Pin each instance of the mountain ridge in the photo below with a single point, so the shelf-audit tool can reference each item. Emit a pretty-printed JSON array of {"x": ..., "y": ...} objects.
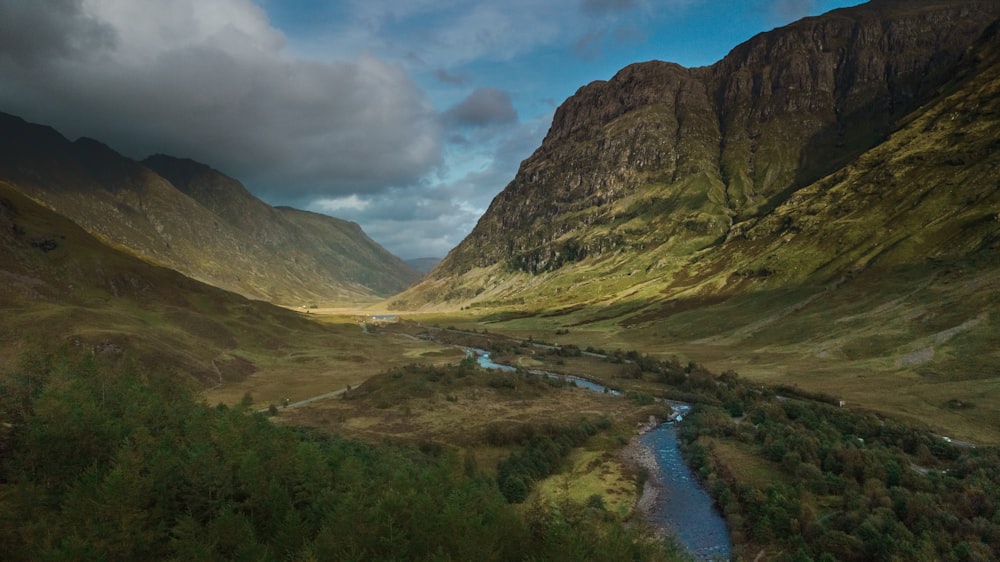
[
  {"x": 208, "y": 227},
  {"x": 641, "y": 160},
  {"x": 338, "y": 249},
  {"x": 68, "y": 295}
]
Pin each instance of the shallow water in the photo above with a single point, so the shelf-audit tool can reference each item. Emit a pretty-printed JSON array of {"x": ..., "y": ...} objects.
[
  {"x": 684, "y": 507},
  {"x": 483, "y": 358},
  {"x": 589, "y": 385}
]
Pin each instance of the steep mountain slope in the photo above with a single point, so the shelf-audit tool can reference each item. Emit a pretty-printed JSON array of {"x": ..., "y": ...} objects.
[
  {"x": 66, "y": 295},
  {"x": 820, "y": 208},
  {"x": 207, "y": 227},
  {"x": 320, "y": 250},
  {"x": 663, "y": 162},
  {"x": 666, "y": 157},
  {"x": 62, "y": 287}
]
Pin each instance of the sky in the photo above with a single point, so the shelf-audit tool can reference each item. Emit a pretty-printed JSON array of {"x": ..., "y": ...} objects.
[{"x": 406, "y": 116}]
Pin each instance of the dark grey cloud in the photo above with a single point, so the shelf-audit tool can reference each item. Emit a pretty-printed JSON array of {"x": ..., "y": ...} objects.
[
  {"x": 225, "y": 93},
  {"x": 484, "y": 106},
  {"x": 33, "y": 32}
]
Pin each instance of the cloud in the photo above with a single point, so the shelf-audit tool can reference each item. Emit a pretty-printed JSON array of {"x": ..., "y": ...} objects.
[
  {"x": 790, "y": 10},
  {"x": 448, "y": 78},
  {"x": 213, "y": 80},
  {"x": 337, "y": 205},
  {"x": 484, "y": 106},
  {"x": 602, "y": 7},
  {"x": 29, "y": 35},
  {"x": 430, "y": 219},
  {"x": 447, "y": 33},
  {"x": 410, "y": 223}
]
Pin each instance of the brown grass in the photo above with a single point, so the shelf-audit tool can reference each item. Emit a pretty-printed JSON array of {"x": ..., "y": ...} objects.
[
  {"x": 349, "y": 358},
  {"x": 462, "y": 417}
]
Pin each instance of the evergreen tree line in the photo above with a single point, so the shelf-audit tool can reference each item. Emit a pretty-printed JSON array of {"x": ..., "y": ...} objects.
[{"x": 98, "y": 465}]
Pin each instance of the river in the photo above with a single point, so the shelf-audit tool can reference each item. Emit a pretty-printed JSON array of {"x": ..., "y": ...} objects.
[
  {"x": 483, "y": 358},
  {"x": 682, "y": 507}
]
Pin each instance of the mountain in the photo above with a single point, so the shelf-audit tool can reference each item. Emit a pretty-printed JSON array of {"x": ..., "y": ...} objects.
[
  {"x": 662, "y": 163},
  {"x": 824, "y": 199},
  {"x": 64, "y": 288},
  {"x": 191, "y": 218},
  {"x": 323, "y": 251},
  {"x": 672, "y": 160},
  {"x": 423, "y": 265}
]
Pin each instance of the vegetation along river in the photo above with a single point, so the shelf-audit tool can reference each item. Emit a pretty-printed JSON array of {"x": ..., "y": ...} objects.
[{"x": 681, "y": 506}]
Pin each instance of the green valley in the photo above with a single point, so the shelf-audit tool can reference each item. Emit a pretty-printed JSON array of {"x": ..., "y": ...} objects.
[{"x": 788, "y": 261}]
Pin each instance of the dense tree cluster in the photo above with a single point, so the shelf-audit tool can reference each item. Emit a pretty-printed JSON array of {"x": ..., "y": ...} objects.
[
  {"x": 849, "y": 486},
  {"x": 843, "y": 485},
  {"x": 540, "y": 456},
  {"x": 122, "y": 467}
]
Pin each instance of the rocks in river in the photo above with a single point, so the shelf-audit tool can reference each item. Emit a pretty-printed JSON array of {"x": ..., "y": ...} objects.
[{"x": 643, "y": 427}]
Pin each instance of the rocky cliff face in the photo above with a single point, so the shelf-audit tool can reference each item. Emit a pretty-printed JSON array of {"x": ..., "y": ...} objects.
[
  {"x": 193, "y": 219},
  {"x": 665, "y": 157}
]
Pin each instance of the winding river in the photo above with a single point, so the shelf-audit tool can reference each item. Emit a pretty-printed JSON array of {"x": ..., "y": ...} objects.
[
  {"x": 683, "y": 508},
  {"x": 483, "y": 358}
]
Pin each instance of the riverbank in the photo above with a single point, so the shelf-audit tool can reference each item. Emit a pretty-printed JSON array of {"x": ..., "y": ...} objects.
[
  {"x": 640, "y": 459},
  {"x": 673, "y": 501}
]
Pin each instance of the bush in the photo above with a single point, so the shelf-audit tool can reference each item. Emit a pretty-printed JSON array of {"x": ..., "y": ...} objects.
[{"x": 596, "y": 501}]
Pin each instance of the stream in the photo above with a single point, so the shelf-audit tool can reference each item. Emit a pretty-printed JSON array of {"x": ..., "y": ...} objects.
[
  {"x": 683, "y": 508},
  {"x": 483, "y": 358}
]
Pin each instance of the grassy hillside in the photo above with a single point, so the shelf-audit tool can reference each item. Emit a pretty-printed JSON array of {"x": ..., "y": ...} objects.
[
  {"x": 65, "y": 289},
  {"x": 300, "y": 256}
]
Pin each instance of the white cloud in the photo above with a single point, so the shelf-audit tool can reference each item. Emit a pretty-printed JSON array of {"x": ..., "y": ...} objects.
[
  {"x": 147, "y": 29},
  {"x": 336, "y": 206}
]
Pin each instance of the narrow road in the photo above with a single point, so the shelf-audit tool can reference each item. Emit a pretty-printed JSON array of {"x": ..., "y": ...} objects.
[{"x": 310, "y": 400}]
